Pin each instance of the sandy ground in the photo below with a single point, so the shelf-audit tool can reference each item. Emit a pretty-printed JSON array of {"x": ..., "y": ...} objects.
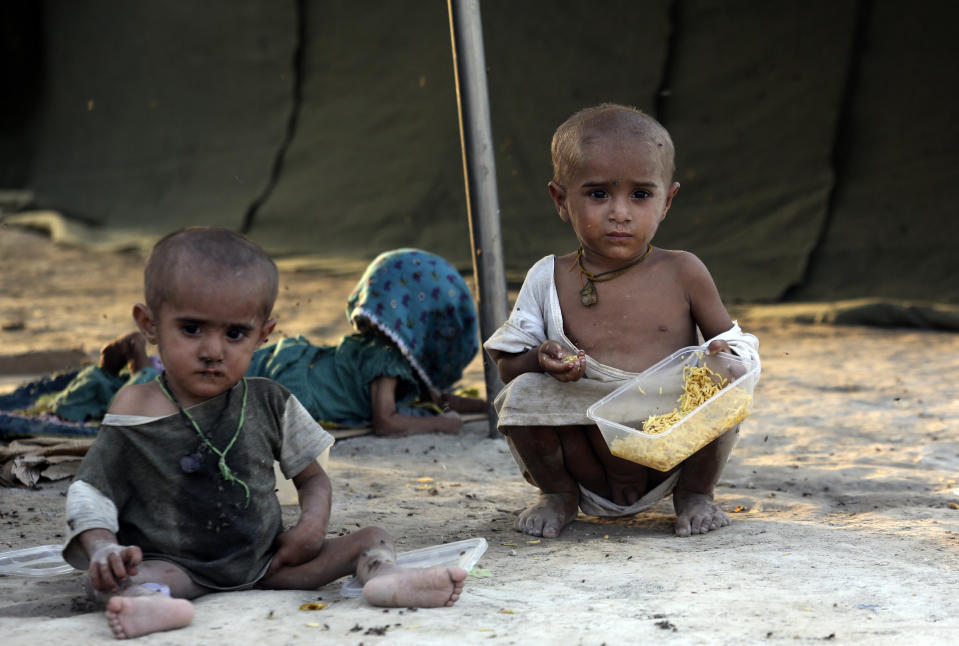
[{"x": 842, "y": 492}]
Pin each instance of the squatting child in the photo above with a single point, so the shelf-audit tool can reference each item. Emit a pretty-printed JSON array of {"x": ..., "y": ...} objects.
[
  {"x": 587, "y": 320},
  {"x": 175, "y": 498}
]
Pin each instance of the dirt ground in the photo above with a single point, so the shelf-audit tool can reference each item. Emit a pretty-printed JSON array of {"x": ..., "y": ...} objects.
[{"x": 842, "y": 492}]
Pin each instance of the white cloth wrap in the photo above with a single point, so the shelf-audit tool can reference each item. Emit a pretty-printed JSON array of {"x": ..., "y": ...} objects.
[
  {"x": 595, "y": 505},
  {"x": 743, "y": 344}
]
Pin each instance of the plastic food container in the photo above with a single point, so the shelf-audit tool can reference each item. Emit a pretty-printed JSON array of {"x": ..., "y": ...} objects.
[
  {"x": 42, "y": 560},
  {"x": 464, "y": 554},
  {"x": 656, "y": 391}
]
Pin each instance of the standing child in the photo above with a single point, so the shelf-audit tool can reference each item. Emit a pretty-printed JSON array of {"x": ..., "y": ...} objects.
[
  {"x": 585, "y": 321},
  {"x": 175, "y": 498}
]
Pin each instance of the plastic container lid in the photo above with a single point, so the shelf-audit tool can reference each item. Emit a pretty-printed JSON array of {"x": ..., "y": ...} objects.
[
  {"x": 42, "y": 560},
  {"x": 464, "y": 554},
  {"x": 621, "y": 414}
]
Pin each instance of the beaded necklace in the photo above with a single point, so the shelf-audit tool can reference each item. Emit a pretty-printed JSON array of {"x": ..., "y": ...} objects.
[
  {"x": 225, "y": 470},
  {"x": 587, "y": 295}
]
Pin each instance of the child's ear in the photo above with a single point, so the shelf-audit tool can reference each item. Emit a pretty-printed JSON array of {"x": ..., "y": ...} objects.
[
  {"x": 146, "y": 322},
  {"x": 558, "y": 193},
  {"x": 670, "y": 194},
  {"x": 266, "y": 330}
]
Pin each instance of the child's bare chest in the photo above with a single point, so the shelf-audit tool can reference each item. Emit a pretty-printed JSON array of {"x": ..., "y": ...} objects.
[{"x": 634, "y": 322}]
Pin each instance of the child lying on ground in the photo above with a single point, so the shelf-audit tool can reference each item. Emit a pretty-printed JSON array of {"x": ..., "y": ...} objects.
[
  {"x": 175, "y": 498},
  {"x": 416, "y": 332},
  {"x": 585, "y": 321}
]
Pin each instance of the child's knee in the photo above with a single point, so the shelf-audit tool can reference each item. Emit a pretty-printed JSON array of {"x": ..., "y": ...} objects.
[{"x": 535, "y": 442}]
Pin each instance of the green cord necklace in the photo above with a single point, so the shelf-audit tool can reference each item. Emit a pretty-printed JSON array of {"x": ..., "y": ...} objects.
[{"x": 225, "y": 470}]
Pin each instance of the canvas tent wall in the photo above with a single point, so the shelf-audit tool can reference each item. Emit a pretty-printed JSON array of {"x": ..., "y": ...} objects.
[{"x": 816, "y": 140}]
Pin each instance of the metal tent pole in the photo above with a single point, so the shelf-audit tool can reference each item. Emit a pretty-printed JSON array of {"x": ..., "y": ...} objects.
[{"x": 479, "y": 170}]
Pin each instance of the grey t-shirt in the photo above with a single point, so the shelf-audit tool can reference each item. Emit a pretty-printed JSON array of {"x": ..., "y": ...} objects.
[{"x": 170, "y": 496}]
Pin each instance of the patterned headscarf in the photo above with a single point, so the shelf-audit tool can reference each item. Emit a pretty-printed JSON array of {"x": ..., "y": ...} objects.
[{"x": 423, "y": 305}]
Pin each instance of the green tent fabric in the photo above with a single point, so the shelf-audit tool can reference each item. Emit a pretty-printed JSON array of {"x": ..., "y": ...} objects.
[
  {"x": 753, "y": 127},
  {"x": 377, "y": 154},
  {"x": 154, "y": 116},
  {"x": 375, "y": 163},
  {"x": 815, "y": 140},
  {"x": 892, "y": 229}
]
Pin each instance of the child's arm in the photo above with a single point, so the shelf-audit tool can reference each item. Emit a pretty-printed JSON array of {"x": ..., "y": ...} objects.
[
  {"x": 550, "y": 357},
  {"x": 710, "y": 314},
  {"x": 303, "y": 541},
  {"x": 449, "y": 401},
  {"x": 705, "y": 303},
  {"x": 110, "y": 562},
  {"x": 389, "y": 421}
]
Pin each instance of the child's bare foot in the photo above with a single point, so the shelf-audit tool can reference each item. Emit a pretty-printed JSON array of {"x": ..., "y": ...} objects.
[
  {"x": 549, "y": 514},
  {"x": 135, "y": 616},
  {"x": 398, "y": 587},
  {"x": 127, "y": 350},
  {"x": 696, "y": 513}
]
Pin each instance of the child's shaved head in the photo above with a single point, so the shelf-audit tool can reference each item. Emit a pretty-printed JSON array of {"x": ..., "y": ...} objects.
[
  {"x": 590, "y": 124},
  {"x": 183, "y": 257}
]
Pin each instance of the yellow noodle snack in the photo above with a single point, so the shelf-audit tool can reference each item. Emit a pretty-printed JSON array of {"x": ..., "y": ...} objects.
[
  {"x": 698, "y": 386},
  {"x": 666, "y": 450}
]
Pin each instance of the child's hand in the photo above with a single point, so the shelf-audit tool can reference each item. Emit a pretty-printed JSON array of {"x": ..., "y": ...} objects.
[
  {"x": 297, "y": 545},
  {"x": 112, "y": 564},
  {"x": 449, "y": 423},
  {"x": 718, "y": 345},
  {"x": 556, "y": 361},
  {"x": 736, "y": 370}
]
